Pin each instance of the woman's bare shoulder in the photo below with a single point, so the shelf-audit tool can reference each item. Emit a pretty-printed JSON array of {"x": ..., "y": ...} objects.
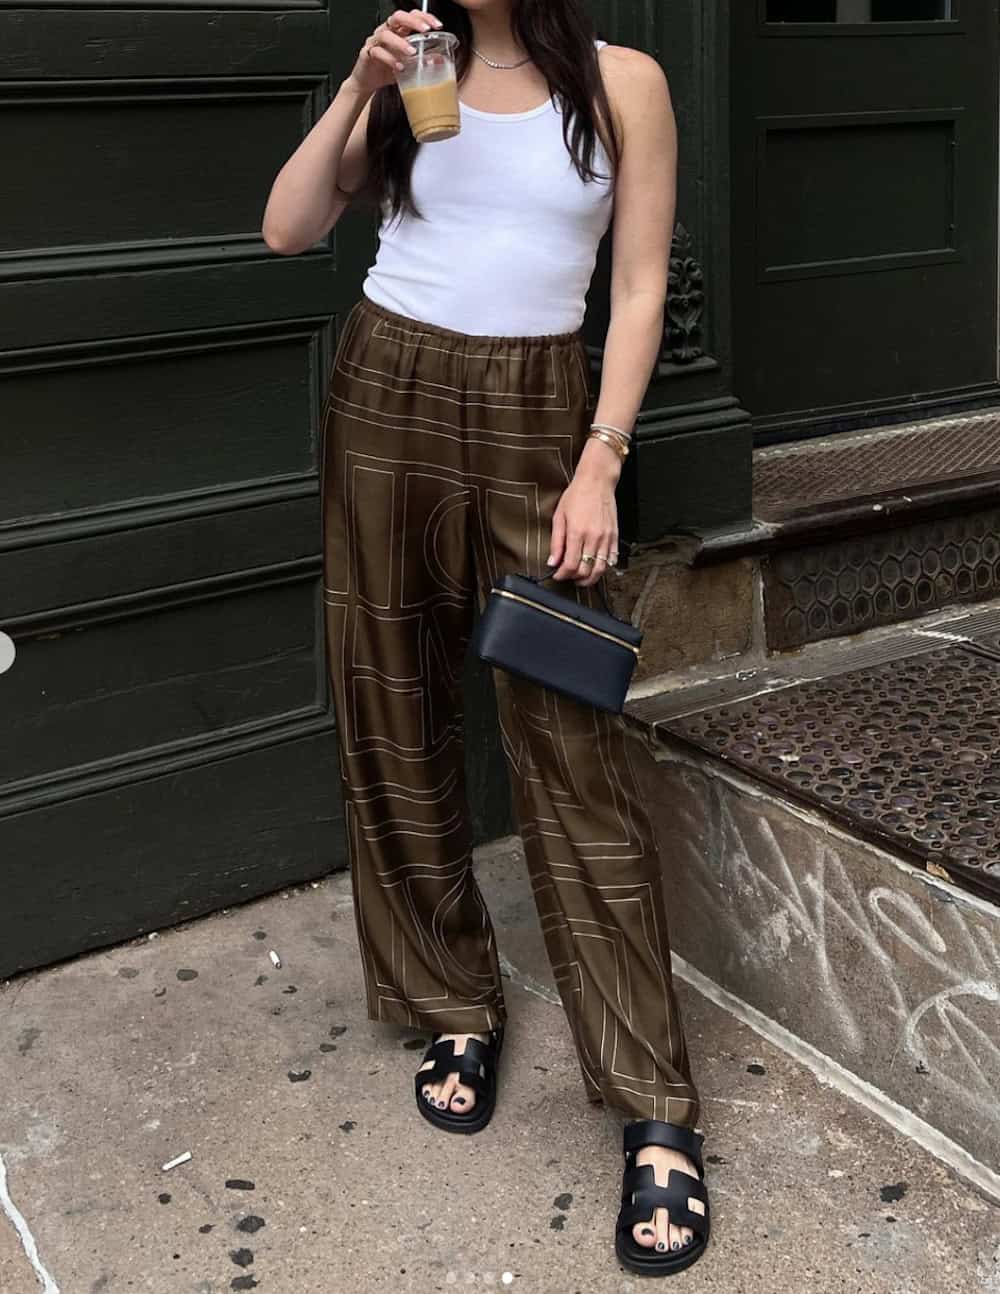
[
  {"x": 629, "y": 72},
  {"x": 636, "y": 86}
]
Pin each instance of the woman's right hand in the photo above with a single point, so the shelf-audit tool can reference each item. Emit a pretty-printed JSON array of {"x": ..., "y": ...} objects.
[{"x": 386, "y": 49}]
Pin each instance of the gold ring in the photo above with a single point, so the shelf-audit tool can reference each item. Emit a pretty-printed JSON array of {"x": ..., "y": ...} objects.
[{"x": 586, "y": 557}]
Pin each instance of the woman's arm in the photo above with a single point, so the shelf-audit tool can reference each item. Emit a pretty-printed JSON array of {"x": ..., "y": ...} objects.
[
  {"x": 645, "y": 200},
  {"x": 305, "y": 202},
  {"x": 308, "y": 195}
]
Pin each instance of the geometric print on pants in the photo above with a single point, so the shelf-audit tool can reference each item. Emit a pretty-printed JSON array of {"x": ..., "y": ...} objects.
[{"x": 443, "y": 458}]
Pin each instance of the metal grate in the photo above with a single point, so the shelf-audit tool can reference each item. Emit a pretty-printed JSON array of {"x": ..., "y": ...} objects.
[
  {"x": 842, "y": 587},
  {"x": 787, "y": 480},
  {"x": 907, "y": 753}
]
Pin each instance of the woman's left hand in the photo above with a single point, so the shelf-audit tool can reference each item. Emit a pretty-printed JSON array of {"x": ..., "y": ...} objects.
[{"x": 585, "y": 521}]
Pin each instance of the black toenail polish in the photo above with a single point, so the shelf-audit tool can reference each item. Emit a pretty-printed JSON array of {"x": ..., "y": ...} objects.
[
  {"x": 647, "y": 1231},
  {"x": 675, "y": 1245},
  {"x": 688, "y": 1240},
  {"x": 660, "y": 1244}
]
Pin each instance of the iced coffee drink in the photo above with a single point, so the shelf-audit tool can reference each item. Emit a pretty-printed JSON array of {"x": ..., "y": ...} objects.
[{"x": 429, "y": 88}]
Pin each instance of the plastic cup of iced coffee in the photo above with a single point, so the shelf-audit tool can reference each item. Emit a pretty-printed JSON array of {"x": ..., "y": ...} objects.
[{"x": 429, "y": 88}]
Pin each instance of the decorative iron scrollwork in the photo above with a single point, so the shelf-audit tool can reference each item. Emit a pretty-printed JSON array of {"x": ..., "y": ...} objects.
[{"x": 685, "y": 301}]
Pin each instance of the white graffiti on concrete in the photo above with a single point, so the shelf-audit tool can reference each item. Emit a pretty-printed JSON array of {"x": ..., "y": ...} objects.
[{"x": 914, "y": 962}]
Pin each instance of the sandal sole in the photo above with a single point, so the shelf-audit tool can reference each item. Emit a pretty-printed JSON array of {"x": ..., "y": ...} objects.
[
  {"x": 460, "y": 1123},
  {"x": 656, "y": 1264}
]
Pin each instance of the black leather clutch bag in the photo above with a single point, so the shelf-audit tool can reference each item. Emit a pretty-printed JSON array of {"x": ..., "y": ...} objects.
[{"x": 582, "y": 652}]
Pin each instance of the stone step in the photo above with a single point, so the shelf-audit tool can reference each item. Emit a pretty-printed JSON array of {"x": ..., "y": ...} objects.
[
  {"x": 831, "y": 839},
  {"x": 850, "y": 533}
]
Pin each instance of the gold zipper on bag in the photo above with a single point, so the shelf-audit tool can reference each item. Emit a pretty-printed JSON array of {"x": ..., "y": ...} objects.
[{"x": 505, "y": 593}]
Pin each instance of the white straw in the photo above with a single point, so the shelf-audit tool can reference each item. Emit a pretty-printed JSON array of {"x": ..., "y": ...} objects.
[{"x": 420, "y": 50}]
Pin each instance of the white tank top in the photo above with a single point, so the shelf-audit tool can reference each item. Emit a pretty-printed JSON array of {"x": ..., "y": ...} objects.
[{"x": 510, "y": 232}]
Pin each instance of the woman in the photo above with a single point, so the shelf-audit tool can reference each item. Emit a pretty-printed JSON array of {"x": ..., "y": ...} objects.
[{"x": 460, "y": 441}]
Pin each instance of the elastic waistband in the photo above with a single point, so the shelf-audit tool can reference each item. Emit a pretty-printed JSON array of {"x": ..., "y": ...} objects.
[{"x": 457, "y": 339}]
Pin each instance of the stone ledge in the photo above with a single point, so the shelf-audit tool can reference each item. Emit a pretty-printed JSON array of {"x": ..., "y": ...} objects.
[{"x": 688, "y": 616}]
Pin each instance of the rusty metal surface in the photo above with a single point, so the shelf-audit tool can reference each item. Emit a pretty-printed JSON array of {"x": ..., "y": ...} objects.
[
  {"x": 825, "y": 661},
  {"x": 846, "y": 586},
  {"x": 906, "y": 753},
  {"x": 788, "y": 479}
]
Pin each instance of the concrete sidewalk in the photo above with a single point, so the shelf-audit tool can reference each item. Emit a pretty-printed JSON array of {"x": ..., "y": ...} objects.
[{"x": 312, "y": 1172}]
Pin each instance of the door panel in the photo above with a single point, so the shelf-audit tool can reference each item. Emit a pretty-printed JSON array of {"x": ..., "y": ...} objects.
[
  {"x": 866, "y": 203},
  {"x": 168, "y": 742}
]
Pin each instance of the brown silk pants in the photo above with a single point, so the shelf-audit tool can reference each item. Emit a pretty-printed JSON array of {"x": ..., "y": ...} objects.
[{"x": 444, "y": 456}]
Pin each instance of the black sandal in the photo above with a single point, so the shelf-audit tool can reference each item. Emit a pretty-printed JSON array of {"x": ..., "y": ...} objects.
[
  {"x": 641, "y": 1196},
  {"x": 476, "y": 1067}
]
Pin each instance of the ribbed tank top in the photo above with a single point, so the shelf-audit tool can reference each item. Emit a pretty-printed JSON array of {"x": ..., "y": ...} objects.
[{"x": 509, "y": 237}]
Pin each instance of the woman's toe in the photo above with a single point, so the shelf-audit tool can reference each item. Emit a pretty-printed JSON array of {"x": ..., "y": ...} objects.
[
  {"x": 428, "y": 1088},
  {"x": 462, "y": 1099},
  {"x": 644, "y": 1235},
  {"x": 663, "y": 1230},
  {"x": 447, "y": 1090}
]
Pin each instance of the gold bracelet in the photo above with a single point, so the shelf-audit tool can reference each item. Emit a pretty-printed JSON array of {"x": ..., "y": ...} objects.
[
  {"x": 609, "y": 438},
  {"x": 619, "y": 436},
  {"x": 617, "y": 431},
  {"x": 620, "y": 449}
]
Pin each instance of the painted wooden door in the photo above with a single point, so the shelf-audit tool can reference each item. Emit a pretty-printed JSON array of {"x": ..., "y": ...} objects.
[
  {"x": 865, "y": 218},
  {"x": 167, "y": 744}
]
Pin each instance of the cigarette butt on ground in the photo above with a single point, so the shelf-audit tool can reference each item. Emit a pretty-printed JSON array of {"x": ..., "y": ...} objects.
[
  {"x": 275, "y": 959},
  {"x": 173, "y": 1163}
]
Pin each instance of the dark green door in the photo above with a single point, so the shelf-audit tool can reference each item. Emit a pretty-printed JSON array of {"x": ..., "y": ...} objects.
[
  {"x": 865, "y": 235},
  {"x": 167, "y": 742}
]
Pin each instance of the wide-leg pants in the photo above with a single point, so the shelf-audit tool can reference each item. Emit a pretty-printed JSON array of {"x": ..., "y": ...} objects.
[{"x": 443, "y": 458}]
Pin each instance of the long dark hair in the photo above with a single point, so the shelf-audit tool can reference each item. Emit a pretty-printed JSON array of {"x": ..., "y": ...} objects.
[{"x": 559, "y": 37}]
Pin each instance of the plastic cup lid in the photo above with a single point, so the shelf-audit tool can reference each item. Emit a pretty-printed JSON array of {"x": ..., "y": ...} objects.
[{"x": 448, "y": 37}]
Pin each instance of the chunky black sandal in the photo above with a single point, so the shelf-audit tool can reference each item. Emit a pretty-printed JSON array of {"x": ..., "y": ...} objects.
[
  {"x": 641, "y": 1196},
  {"x": 476, "y": 1067}
]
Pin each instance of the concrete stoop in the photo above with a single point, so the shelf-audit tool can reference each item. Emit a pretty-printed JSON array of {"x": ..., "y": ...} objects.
[{"x": 863, "y": 940}]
